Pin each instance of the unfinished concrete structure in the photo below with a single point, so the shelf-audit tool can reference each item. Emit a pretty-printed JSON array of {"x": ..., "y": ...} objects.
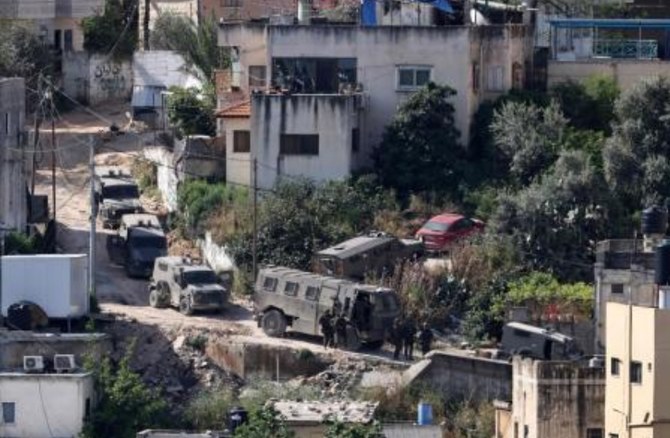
[
  {"x": 13, "y": 175},
  {"x": 553, "y": 399},
  {"x": 342, "y": 85}
]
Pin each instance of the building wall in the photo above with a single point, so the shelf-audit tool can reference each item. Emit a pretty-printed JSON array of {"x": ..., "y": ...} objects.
[
  {"x": 250, "y": 9},
  {"x": 13, "y": 205},
  {"x": 450, "y": 50},
  {"x": 96, "y": 79},
  {"x": 626, "y": 72},
  {"x": 638, "y": 286},
  {"x": 332, "y": 117},
  {"x": 636, "y": 333},
  {"x": 163, "y": 68},
  {"x": 557, "y": 399},
  {"x": 238, "y": 164},
  {"x": 461, "y": 376},
  {"x": 46, "y": 405}
]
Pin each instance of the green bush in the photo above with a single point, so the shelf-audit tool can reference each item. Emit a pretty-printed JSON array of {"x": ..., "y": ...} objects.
[
  {"x": 543, "y": 288},
  {"x": 209, "y": 410},
  {"x": 19, "y": 243},
  {"x": 200, "y": 200},
  {"x": 114, "y": 31}
]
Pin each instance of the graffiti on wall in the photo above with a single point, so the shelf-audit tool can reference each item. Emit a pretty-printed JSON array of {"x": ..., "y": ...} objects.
[{"x": 111, "y": 78}]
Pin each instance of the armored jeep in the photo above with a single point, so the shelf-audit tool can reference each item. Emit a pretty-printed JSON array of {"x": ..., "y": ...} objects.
[
  {"x": 138, "y": 243},
  {"x": 116, "y": 194},
  {"x": 178, "y": 282},
  {"x": 286, "y": 298},
  {"x": 375, "y": 253},
  {"x": 536, "y": 342}
]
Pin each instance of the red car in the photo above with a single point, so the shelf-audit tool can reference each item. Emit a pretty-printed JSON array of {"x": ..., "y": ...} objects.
[{"x": 443, "y": 230}]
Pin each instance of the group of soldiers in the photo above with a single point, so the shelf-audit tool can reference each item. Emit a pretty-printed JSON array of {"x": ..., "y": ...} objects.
[{"x": 403, "y": 335}]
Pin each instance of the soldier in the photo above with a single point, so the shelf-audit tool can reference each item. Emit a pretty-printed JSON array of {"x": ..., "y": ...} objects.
[
  {"x": 425, "y": 338},
  {"x": 396, "y": 337},
  {"x": 341, "y": 331},
  {"x": 408, "y": 339},
  {"x": 326, "y": 323}
]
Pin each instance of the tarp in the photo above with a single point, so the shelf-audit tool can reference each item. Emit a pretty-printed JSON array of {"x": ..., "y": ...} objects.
[
  {"x": 369, "y": 12},
  {"x": 442, "y": 5}
]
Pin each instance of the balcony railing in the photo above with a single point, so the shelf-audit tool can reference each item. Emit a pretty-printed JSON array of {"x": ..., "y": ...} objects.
[{"x": 629, "y": 49}]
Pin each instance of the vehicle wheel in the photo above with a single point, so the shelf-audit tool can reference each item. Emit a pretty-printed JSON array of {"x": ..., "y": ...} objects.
[
  {"x": 185, "y": 306},
  {"x": 353, "y": 340},
  {"x": 274, "y": 323},
  {"x": 157, "y": 297}
]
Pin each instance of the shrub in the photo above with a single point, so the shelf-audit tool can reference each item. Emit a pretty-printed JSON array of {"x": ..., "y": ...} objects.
[
  {"x": 199, "y": 201},
  {"x": 197, "y": 342},
  {"x": 401, "y": 404},
  {"x": 209, "y": 410}
]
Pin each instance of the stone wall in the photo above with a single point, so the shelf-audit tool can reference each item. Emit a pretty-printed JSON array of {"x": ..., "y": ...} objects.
[
  {"x": 625, "y": 72},
  {"x": 95, "y": 79}
]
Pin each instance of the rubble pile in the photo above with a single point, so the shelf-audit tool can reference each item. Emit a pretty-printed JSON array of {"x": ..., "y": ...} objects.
[{"x": 340, "y": 379}]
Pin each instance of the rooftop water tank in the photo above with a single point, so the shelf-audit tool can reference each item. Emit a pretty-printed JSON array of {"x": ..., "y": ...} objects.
[
  {"x": 424, "y": 414},
  {"x": 654, "y": 220}
]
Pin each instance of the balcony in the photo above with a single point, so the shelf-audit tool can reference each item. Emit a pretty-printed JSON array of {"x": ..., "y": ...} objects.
[
  {"x": 623, "y": 253},
  {"x": 625, "y": 49}
]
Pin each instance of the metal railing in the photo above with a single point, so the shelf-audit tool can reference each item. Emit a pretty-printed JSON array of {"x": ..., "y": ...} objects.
[{"x": 627, "y": 49}]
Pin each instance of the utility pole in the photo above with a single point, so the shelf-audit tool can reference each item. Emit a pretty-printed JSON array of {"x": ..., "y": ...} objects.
[
  {"x": 94, "y": 211},
  {"x": 2, "y": 253},
  {"x": 255, "y": 214},
  {"x": 53, "y": 163}
]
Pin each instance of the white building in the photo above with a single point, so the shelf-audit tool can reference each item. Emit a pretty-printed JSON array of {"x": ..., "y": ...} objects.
[
  {"x": 13, "y": 188},
  {"x": 44, "y": 405},
  {"x": 345, "y": 84}
]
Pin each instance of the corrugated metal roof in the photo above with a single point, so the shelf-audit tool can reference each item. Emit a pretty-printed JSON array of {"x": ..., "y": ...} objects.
[{"x": 147, "y": 96}]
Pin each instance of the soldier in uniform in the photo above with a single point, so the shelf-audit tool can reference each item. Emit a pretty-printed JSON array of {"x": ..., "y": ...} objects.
[
  {"x": 396, "y": 337},
  {"x": 409, "y": 333},
  {"x": 341, "y": 331},
  {"x": 425, "y": 338},
  {"x": 326, "y": 323}
]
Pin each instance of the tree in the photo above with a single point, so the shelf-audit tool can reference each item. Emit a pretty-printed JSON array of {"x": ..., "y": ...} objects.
[
  {"x": 114, "y": 31},
  {"x": 125, "y": 405},
  {"x": 191, "y": 110},
  {"x": 196, "y": 43},
  {"x": 529, "y": 136},
  {"x": 588, "y": 105},
  {"x": 264, "y": 423},
  {"x": 338, "y": 429},
  {"x": 636, "y": 156},
  {"x": 419, "y": 151}
]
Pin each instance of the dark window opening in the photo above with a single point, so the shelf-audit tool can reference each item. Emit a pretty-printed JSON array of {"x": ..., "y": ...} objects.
[
  {"x": 291, "y": 289},
  {"x": 87, "y": 408},
  {"x": 476, "y": 73},
  {"x": 299, "y": 144},
  {"x": 594, "y": 433},
  {"x": 231, "y": 3},
  {"x": 269, "y": 284},
  {"x": 615, "y": 366},
  {"x": 314, "y": 75},
  {"x": 8, "y": 412},
  {"x": 355, "y": 140},
  {"x": 257, "y": 75},
  {"x": 635, "y": 372},
  {"x": 241, "y": 141},
  {"x": 521, "y": 333},
  {"x": 57, "y": 39},
  {"x": 312, "y": 293},
  {"x": 617, "y": 288},
  {"x": 67, "y": 41}
]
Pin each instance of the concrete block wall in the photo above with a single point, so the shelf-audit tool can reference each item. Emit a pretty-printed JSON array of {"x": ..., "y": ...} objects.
[{"x": 95, "y": 79}]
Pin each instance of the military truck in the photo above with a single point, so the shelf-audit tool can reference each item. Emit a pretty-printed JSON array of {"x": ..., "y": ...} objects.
[
  {"x": 189, "y": 286},
  {"x": 286, "y": 298},
  {"x": 138, "y": 243},
  {"x": 375, "y": 253},
  {"x": 116, "y": 194},
  {"x": 536, "y": 342}
]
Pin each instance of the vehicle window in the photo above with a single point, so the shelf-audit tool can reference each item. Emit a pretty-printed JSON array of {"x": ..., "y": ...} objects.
[
  {"x": 291, "y": 289},
  {"x": 436, "y": 226},
  {"x": 386, "y": 301},
  {"x": 162, "y": 266},
  {"x": 204, "y": 276},
  {"x": 120, "y": 192},
  {"x": 312, "y": 293},
  {"x": 269, "y": 284},
  {"x": 521, "y": 333},
  {"x": 156, "y": 242}
]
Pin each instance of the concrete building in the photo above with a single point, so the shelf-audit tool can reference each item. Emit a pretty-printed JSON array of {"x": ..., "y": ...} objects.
[
  {"x": 623, "y": 272},
  {"x": 307, "y": 419},
  {"x": 553, "y": 399},
  {"x": 13, "y": 178},
  {"x": 45, "y": 405},
  {"x": 341, "y": 85},
  {"x": 637, "y": 402},
  {"x": 57, "y": 22},
  {"x": 244, "y": 10}
]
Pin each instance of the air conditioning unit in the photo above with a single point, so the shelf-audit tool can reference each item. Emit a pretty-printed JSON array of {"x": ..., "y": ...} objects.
[
  {"x": 34, "y": 364},
  {"x": 64, "y": 363}
]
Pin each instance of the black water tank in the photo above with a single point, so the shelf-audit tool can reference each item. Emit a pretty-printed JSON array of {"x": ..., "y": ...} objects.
[
  {"x": 236, "y": 417},
  {"x": 26, "y": 315},
  {"x": 654, "y": 220},
  {"x": 662, "y": 272}
]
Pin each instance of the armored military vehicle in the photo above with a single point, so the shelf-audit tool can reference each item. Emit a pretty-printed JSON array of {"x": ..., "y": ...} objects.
[
  {"x": 536, "y": 342},
  {"x": 138, "y": 243},
  {"x": 286, "y": 298},
  {"x": 376, "y": 253},
  {"x": 178, "y": 282},
  {"x": 116, "y": 194}
]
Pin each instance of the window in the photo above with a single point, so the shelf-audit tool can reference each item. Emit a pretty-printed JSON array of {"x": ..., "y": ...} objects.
[
  {"x": 355, "y": 140},
  {"x": 411, "y": 78},
  {"x": 476, "y": 72},
  {"x": 635, "y": 372},
  {"x": 162, "y": 266},
  {"x": 617, "y": 288},
  {"x": 594, "y": 433},
  {"x": 291, "y": 289},
  {"x": 231, "y": 3},
  {"x": 87, "y": 408},
  {"x": 516, "y": 430},
  {"x": 241, "y": 141},
  {"x": 257, "y": 75},
  {"x": 312, "y": 293},
  {"x": 299, "y": 144},
  {"x": 614, "y": 435},
  {"x": 615, "y": 366},
  {"x": 57, "y": 39},
  {"x": 8, "y": 412},
  {"x": 517, "y": 76},
  {"x": 314, "y": 75},
  {"x": 7, "y": 117},
  {"x": 495, "y": 80},
  {"x": 67, "y": 41},
  {"x": 521, "y": 333},
  {"x": 269, "y": 284}
]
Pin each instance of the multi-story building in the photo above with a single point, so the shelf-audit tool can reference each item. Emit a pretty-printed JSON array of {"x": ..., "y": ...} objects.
[
  {"x": 553, "y": 399},
  {"x": 637, "y": 402},
  {"x": 13, "y": 179},
  {"x": 321, "y": 95}
]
